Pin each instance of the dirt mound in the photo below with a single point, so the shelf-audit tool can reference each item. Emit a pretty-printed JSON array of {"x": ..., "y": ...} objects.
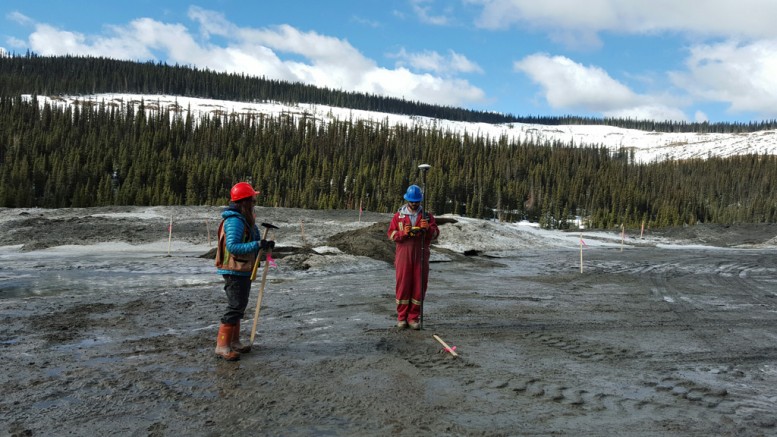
[
  {"x": 37, "y": 232},
  {"x": 721, "y": 235},
  {"x": 371, "y": 242}
]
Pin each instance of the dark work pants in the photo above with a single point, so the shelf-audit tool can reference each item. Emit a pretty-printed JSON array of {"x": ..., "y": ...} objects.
[{"x": 237, "y": 289}]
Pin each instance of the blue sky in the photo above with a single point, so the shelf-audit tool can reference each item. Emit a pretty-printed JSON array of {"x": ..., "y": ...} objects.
[{"x": 663, "y": 59}]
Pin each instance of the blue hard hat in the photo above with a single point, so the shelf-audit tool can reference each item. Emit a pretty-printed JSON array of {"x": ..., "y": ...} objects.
[{"x": 414, "y": 194}]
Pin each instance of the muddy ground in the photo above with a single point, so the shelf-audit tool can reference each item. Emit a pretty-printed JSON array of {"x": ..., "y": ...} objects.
[{"x": 647, "y": 340}]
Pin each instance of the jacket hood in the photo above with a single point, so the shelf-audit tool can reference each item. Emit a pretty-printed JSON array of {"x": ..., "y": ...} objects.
[
  {"x": 404, "y": 209},
  {"x": 231, "y": 211}
]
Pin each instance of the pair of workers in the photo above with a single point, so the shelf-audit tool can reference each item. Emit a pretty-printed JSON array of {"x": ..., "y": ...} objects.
[{"x": 239, "y": 242}]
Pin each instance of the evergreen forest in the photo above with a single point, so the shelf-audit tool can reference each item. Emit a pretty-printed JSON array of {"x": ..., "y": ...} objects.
[
  {"x": 82, "y": 156},
  {"x": 72, "y": 75}
]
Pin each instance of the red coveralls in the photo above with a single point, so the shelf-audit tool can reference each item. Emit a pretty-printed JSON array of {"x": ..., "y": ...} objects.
[{"x": 411, "y": 276}]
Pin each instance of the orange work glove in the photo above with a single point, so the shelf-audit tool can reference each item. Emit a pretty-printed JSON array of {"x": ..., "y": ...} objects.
[{"x": 400, "y": 236}]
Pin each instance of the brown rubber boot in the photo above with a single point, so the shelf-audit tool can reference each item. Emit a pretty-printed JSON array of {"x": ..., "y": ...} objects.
[
  {"x": 222, "y": 343},
  {"x": 236, "y": 345}
]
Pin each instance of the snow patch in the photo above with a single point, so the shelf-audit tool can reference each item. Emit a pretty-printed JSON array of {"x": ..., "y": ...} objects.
[{"x": 645, "y": 146}]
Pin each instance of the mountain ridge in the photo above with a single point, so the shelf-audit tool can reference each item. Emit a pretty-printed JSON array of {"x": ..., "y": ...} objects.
[{"x": 645, "y": 146}]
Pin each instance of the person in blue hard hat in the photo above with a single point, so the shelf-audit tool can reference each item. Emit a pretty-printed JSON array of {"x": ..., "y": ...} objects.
[{"x": 413, "y": 230}]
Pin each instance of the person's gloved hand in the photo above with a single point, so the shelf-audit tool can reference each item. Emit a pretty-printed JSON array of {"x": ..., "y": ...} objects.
[
  {"x": 400, "y": 235},
  {"x": 266, "y": 244},
  {"x": 423, "y": 224}
]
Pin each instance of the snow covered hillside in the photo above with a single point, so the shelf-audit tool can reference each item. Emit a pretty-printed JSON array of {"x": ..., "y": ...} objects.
[{"x": 647, "y": 146}]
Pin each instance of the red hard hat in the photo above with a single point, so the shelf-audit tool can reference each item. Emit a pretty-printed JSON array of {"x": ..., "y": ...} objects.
[{"x": 242, "y": 190}]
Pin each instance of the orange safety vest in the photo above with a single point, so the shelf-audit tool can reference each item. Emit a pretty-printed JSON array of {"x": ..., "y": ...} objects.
[{"x": 225, "y": 260}]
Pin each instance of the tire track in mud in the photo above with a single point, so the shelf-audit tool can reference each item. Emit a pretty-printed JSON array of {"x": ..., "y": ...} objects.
[
  {"x": 699, "y": 315},
  {"x": 585, "y": 350},
  {"x": 752, "y": 279},
  {"x": 671, "y": 385},
  {"x": 648, "y": 395},
  {"x": 668, "y": 396},
  {"x": 422, "y": 358},
  {"x": 689, "y": 312}
]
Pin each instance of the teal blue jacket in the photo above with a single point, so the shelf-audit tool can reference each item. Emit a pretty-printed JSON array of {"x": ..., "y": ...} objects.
[{"x": 234, "y": 230}]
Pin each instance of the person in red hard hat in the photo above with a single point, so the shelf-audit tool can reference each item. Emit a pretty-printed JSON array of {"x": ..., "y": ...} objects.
[
  {"x": 412, "y": 229},
  {"x": 239, "y": 241}
]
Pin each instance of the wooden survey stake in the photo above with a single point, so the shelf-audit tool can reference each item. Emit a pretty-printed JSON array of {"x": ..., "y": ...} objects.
[{"x": 447, "y": 348}]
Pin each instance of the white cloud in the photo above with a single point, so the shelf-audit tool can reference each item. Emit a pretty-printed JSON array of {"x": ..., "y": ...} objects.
[
  {"x": 335, "y": 63},
  {"x": 19, "y": 18},
  {"x": 436, "y": 62},
  {"x": 422, "y": 87},
  {"x": 47, "y": 40},
  {"x": 740, "y": 71},
  {"x": 366, "y": 21},
  {"x": 742, "y": 18},
  {"x": 422, "y": 11},
  {"x": 281, "y": 52},
  {"x": 136, "y": 41},
  {"x": 16, "y": 43},
  {"x": 211, "y": 22},
  {"x": 648, "y": 112},
  {"x": 459, "y": 62},
  {"x": 570, "y": 85},
  {"x": 743, "y": 75},
  {"x": 576, "y": 40}
]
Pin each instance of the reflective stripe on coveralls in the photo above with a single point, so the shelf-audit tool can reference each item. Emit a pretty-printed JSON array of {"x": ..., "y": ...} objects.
[{"x": 411, "y": 275}]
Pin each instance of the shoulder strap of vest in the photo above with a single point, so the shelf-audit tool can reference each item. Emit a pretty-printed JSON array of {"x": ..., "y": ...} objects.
[
  {"x": 246, "y": 229},
  {"x": 221, "y": 246}
]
